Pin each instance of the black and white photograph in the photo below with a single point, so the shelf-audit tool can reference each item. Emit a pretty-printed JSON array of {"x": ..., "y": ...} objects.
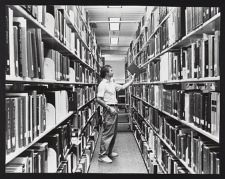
[{"x": 112, "y": 89}]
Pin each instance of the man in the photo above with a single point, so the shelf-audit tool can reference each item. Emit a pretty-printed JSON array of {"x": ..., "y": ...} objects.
[{"x": 106, "y": 97}]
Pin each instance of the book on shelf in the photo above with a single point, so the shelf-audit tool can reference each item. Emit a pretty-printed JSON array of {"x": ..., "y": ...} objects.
[
  {"x": 28, "y": 50},
  {"x": 63, "y": 168},
  {"x": 196, "y": 16},
  {"x": 54, "y": 154},
  {"x": 193, "y": 107},
  {"x": 42, "y": 150},
  {"x": 18, "y": 165},
  {"x": 64, "y": 137},
  {"x": 188, "y": 148},
  {"x": 37, "y": 12},
  {"x": 133, "y": 69},
  {"x": 59, "y": 99},
  {"x": 21, "y": 24}
]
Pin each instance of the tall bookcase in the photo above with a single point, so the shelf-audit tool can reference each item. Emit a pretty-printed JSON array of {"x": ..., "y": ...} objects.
[
  {"x": 53, "y": 65},
  {"x": 175, "y": 103}
]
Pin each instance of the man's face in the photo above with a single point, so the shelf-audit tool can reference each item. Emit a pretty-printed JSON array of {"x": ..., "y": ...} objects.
[{"x": 110, "y": 72}]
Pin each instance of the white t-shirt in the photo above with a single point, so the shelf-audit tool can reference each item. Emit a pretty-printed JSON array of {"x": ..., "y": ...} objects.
[{"x": 107, "y": 90}]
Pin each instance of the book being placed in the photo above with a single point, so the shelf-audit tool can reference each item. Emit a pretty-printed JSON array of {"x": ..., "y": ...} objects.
[{"x": 134, "y": 69}]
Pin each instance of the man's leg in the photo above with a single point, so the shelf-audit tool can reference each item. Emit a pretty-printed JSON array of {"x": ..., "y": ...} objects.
[
  {"x": 109, "y": 127},
  {"x": 111, "y": 145}
]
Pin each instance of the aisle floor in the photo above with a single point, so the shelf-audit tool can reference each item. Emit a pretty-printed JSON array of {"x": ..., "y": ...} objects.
[{"x": 128, "y": 161}]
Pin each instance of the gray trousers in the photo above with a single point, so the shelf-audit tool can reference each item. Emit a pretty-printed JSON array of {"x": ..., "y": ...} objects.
[{"x": 109, "y": 131}]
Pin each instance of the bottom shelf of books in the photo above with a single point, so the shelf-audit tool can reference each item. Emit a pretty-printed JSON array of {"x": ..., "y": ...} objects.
[{"x": 62, "y": 150}]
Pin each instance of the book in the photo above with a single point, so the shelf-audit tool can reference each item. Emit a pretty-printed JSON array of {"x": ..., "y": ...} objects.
[
  {"x": 21, "y": 24},
  {"x": 18, "y": 162},
  {"x": 54, "y": 154},
  {"x": 42, "y": 149},
  {"x": 133, "y": 69},
  {"x": 24, "y": 113},
  {"x": 31, "y": 157}
]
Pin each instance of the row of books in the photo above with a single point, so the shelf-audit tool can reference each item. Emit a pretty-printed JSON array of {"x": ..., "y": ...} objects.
[
  {"x": 84, "y": 94},
  {"x": 78, "y": 73},
  {"x": 45, "y": 157},
  {"x": 50, "y": 151},
  {"x": 86, "y": 154},
  {"x": 83, "y": 116},
  {"x": 153, "y": 146},
  {"x": 195, "y": 107},
  {"x": 76, "y": 14},
  {"x": 30, "y": 114},
  {"x": 199, "y": 60},
  {"x": 84, "y": 142},
  {"x": 146, "y": 152},
  {"x": 58, "y": 152},
  {"x": 198, "y": 152},
  {"x": 190, "y": 147},
  {"x": 58, "y": 15},
  {"x": 30, "y": 56},
  {"x": 153, "y": 155},
  {"x": 25, "y": 118},
  {"x": 53, "y": 17},
  {"x": 180, "y": 22},
  {"x": 169, "y": 32},
  {"x": 195, "y": 16},
  {"x": 151, "y": 21}
]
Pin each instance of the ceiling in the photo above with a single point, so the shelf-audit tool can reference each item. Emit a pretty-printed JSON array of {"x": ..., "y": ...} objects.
[{"x": 130, "y": 15}]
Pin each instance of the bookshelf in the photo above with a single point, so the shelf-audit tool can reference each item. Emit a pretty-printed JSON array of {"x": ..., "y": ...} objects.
[
  {"x": 19, "y": 151},
  {"x": 204, "y": 28},
  {"x": 50, "y": 38},
  {"x": 145, "y": 162},
  {"x": 146, "y": 43},
  {"x": 165, "y": 143},
  {"x": 82, "y": 55},
  {"x": 42, "y": 81},
  {"x": 207, "y": 79},
  {"x": 90, "y": 118},
  {"x": 151, "y": 98},
  {"x": 192, "y": 126}
]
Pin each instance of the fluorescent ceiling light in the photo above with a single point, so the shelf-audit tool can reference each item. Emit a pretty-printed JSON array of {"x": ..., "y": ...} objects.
[
  {"x": 114, "y": 26},
  {"x": 115, "y": 19},
  {"x": 114, "y": 6},
  {"x": 114, "y": 40}
]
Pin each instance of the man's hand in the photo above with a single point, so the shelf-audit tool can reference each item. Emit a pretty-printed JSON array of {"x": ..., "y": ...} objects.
[
  {"x": 112, "y": 110},
  {"x": 132, "y": 77}
]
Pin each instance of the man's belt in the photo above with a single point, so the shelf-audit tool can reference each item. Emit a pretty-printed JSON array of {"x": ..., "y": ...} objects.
[{"x": 112, "y": 104}]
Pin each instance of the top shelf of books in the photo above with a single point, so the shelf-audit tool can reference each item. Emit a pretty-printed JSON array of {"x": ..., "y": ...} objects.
[{"x": 58, "y": 35}]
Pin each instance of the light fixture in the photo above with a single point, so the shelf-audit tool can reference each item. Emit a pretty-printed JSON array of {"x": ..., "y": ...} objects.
[
  {"x": 114, "y": 25},
  {"x": 114, "y": 6},
  {"x": 114, "y": 40}
]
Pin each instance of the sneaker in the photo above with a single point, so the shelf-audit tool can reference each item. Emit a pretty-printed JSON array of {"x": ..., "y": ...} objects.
[
  {"x": 114, "y": 154},
  {"x": 105, "y": 159}
]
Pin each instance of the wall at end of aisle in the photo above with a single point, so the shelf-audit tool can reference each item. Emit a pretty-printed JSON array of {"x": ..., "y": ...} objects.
[{"x": 118, "y": 65}]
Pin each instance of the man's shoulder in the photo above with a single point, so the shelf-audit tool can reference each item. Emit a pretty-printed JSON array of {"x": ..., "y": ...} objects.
[{"x": 102, "y": 82}]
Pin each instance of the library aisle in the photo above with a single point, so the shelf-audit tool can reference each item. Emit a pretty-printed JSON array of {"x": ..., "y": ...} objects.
[
  {"x": 128, "y": 161},
  {"x": 67, "y": 65}
]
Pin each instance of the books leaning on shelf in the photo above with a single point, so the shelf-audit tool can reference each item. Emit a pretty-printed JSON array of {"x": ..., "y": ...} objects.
[
  {"x": 195, "y": 107},
  {"x": 195, "y": 16},
  {"x": 25, "y": 119},
  {"x": 31, "y": 54},
  {"x": 199, "y": 60},
  {"x": 60, "y": 151},
  {"x": 175, "y": 145},
  {"x": 59, "y": 100},
  {"x": 177, "y": 124},
  {"x": 30, "y": 114},
  {"x": 84, "y": 94}
]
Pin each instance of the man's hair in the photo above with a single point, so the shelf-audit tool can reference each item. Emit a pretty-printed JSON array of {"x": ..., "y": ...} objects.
[{"x": 104, "y": 70}]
